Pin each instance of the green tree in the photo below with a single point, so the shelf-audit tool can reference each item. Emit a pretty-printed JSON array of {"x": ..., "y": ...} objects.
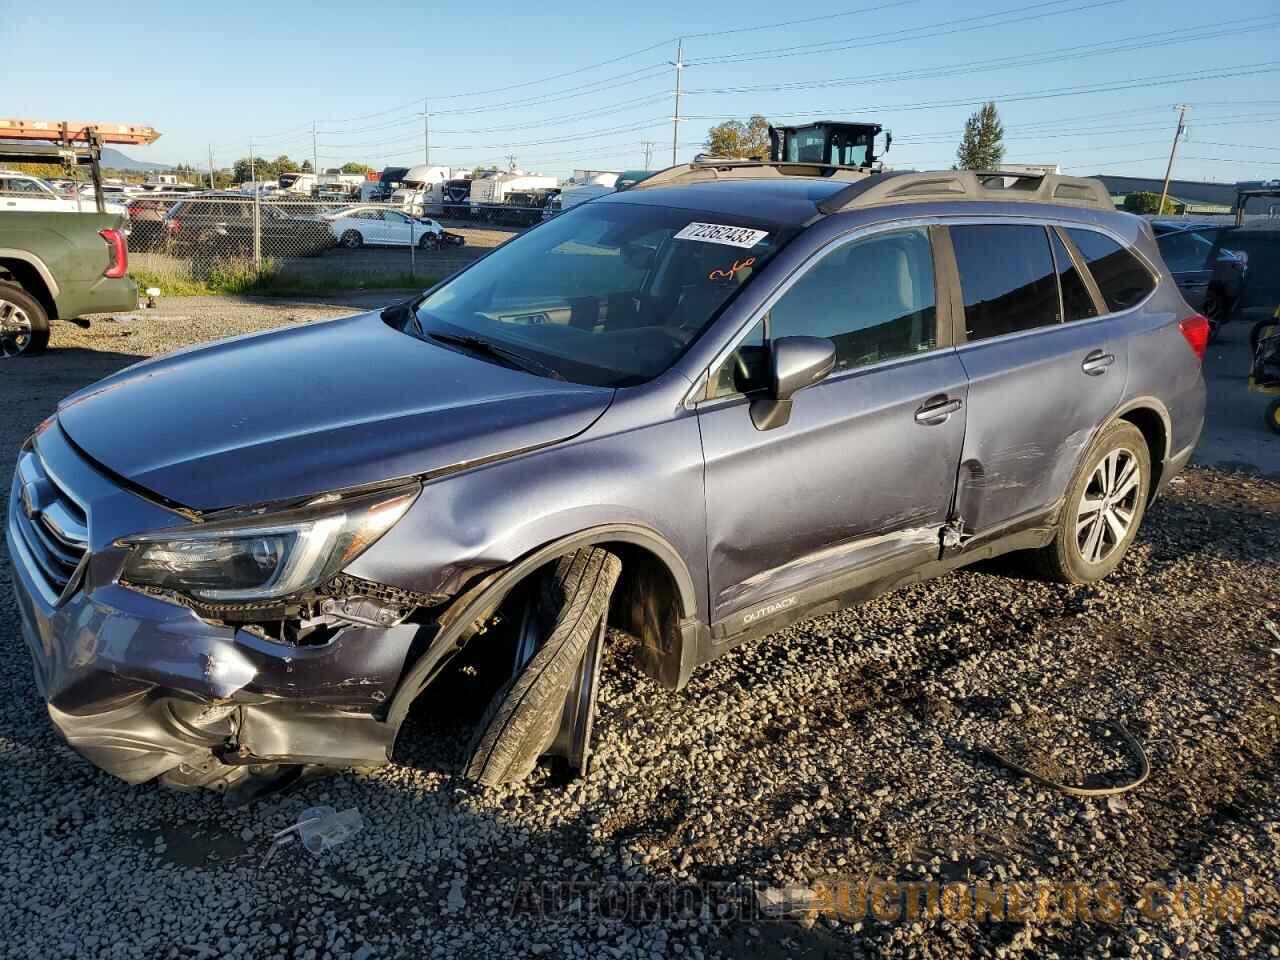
[
  {"x": 982, "y": 147},
  {"x": 282, "y": 164},
  {"x": 357, "y": 168},
  {"x": 306, "y": 167},
  {"x": 1147, "y": 202},
  {"x": 737, "y": 139}
]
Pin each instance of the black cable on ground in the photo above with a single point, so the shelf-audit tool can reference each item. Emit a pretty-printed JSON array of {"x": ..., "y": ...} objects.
[{"x": 1135, "y": 751}]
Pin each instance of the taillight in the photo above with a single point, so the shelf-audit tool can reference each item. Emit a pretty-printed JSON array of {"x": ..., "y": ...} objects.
[
  {"x": 1196, "y": 329},
  {"x": 118, "y": 264}
]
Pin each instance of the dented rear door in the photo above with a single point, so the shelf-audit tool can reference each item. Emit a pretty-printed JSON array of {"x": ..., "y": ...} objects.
[{"x": 1039, "y": 385}]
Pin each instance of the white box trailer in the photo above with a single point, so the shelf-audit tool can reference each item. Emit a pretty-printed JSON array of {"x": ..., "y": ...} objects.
[
  {"x": 421, "y": 190},
  {"x": 512, "y": 197},
  {"x": 584, "y": 185}
]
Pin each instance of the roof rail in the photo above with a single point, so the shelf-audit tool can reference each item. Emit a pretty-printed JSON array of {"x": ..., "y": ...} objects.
[
  {"x": 714, "y": 168},
  {"x": 911, "y": 186}
]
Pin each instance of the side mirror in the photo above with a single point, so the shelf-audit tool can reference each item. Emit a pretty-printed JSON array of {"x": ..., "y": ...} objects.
[{"x": 794, "y": 363}]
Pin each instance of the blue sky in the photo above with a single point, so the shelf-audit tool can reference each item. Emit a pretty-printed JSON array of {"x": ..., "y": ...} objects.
[{"x": 1089, "y": 84}]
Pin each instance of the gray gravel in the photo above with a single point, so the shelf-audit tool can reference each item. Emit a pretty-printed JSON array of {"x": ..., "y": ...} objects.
[{"x": 846, "y": 747}]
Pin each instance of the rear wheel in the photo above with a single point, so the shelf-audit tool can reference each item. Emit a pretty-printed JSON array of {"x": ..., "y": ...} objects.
[
  {"x": 352, "y": 240},
  {"x": 548, "y": 683},
  {"x": 1273, "y": 416},
  {"x": 1103, "y": 508},
  {"x": 24, "y": 324}
]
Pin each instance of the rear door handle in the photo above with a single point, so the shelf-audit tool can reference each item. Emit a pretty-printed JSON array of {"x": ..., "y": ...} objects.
[
  {"x": 1096, "y": 363},
  {"x": 935, "y": 410}
]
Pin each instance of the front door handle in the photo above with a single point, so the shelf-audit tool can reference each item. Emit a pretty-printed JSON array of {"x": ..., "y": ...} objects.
[
  {"x": 936, "y": 410},
  {"x": 1096, "y": 363}
]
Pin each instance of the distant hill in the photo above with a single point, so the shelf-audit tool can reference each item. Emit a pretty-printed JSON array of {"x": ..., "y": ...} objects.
[{"x": 118, "y": 161}]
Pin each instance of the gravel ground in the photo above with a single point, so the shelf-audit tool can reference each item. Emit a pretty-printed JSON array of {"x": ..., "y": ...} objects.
[{"x": 846, "y": 748}]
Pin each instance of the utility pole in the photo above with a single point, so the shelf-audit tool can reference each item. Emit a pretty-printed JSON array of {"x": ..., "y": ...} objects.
[
  {"x": 675, "y": 121},
  {"x": 648, "y": 152},
  {"x": 315, "y": 152},
  {"x": 211, "y": 186},
  {"x": 426, "y": 133},
  {"x": 1182, "y": 109},
  {"x": 511, "y": 161}
]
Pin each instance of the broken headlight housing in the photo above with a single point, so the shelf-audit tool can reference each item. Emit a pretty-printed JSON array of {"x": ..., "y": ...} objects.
[{"x": 265, "y": 556}]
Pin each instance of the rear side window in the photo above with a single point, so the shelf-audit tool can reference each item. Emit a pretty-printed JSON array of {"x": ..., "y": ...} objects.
[
  {"x": 1077, "y": 302},
  {"x": 1120, "y": 276},
  {"x": 1008, "y": 278}
]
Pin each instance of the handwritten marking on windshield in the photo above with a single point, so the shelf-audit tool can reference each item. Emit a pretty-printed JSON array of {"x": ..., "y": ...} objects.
[{"x": 729, "y": 274}]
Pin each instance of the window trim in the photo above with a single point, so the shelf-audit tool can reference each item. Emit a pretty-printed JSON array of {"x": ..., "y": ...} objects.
[
  {"x": 1062, "y": 224},
  {"x": 1085, "y": 274},
  {"x": 943, "y": 306}
]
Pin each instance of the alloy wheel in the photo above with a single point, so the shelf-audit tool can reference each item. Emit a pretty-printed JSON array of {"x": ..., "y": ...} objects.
[
  {"x": 15, "y": 329},
  {"x": 1108, "y": 505}
]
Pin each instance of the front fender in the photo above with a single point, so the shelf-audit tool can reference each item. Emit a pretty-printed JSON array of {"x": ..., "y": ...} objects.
[{"x": 466, "y": 525}]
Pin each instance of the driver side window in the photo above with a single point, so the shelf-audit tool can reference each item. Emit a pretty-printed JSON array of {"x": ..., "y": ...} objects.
[{"x": 874, "y": 298}]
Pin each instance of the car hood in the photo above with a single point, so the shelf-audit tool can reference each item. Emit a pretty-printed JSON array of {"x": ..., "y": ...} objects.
[{"x": 314, "y": 408}]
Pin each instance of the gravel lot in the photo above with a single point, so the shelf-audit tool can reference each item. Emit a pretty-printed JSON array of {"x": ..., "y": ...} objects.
[{"x": 850, "y": 746}]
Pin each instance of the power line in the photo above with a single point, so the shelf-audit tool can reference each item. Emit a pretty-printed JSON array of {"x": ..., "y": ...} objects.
[
  {"x": 1078, "y": 51},
  {"x": 1238, "y": 146},
  {"x": 795, "y": 23},
  {"x": 977, "y": 22},
  {"x": 525, "y": 84},
  {"x": 620, "y": 107},
  {"x": 1232, "y": 71}
]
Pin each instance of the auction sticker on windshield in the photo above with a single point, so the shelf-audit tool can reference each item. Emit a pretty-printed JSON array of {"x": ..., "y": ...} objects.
[{"x": 722, "y": 233}]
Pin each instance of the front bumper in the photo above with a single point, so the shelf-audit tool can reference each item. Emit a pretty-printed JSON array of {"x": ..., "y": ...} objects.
[{"x": 140, "y": 685}]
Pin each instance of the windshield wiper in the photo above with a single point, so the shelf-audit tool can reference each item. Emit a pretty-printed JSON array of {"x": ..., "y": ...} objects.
[{"x": 511, "y": 357}]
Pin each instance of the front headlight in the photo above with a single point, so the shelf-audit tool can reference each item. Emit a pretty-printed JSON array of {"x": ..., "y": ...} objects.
[{"x": 264, "y": 557}]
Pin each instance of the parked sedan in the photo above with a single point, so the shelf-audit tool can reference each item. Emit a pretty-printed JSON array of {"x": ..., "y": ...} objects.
[{"x": 377, "y": 226}]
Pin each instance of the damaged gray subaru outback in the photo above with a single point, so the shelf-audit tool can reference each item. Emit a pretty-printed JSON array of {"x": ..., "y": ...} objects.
[{"x": 734, "y": 396}]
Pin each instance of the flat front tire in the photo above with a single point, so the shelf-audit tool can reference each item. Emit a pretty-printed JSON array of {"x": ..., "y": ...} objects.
[
  {"x": 1103, "y": 509},
  {"x": 24, "y": 324},
  {"x": 524, "y": 716}
]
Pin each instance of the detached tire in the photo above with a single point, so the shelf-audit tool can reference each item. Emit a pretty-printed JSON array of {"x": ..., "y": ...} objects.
[
  {"x": 24, "y": 324},
  {"x": 1103, "y": 509},
  {"x": 522, "y": 720}
]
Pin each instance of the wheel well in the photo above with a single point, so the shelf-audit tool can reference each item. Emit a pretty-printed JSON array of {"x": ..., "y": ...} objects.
[
  {"x": 28, "y": 278},
  {"x": 647, "y": 604},
  {"x": 1153, "y": 431}
]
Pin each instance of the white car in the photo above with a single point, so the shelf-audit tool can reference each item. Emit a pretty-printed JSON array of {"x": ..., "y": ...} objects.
[
  {"x": 18, "y": 191},
  {"x": 377, "y": 226}
]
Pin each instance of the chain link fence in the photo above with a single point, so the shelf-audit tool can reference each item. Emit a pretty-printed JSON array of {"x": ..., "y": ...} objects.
[{"x": 233, "y": 238}]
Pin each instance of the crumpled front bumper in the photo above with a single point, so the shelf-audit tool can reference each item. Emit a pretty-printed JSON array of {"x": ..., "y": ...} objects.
[{"x": 140, "y": 685}]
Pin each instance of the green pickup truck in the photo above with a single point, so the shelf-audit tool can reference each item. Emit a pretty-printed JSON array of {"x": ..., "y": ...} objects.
[{"x": 58, "y": 266}]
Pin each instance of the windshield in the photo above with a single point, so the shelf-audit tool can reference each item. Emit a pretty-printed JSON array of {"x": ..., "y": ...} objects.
[{"x": 609, "y": 294}]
